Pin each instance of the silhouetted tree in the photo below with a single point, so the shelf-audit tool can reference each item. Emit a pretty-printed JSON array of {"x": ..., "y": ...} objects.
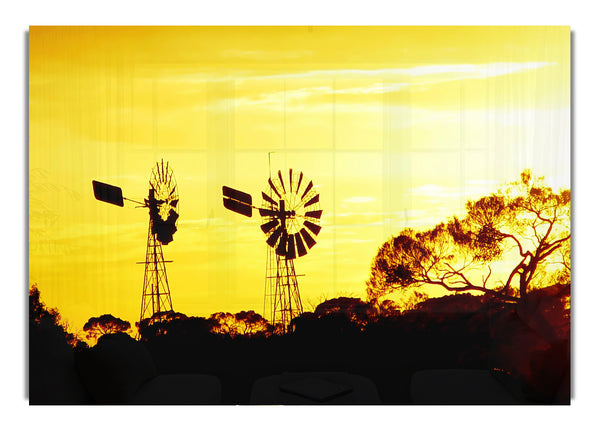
[
  {"x": 38, "y": 311},
  {"x": 105, "y": 324},
  {"x": 387, "y": 308},
  {"x": 159, "y": 324},
  {"x": 455, "y": 304},
  {"x": 43, "y": 317},
  {"x": 52, "y": 376},
  {"x": 225, "y": 323},
  {"x": 526, "y": 223},
  {"x": 242, "y": 323},
  {"x": 354, "y": 309},
  {"x": 166, "y": 316},
  {"x": 252, "y": 323}
]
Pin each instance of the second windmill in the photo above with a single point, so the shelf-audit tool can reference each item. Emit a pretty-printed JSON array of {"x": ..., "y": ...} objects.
[{"x": 291, "y": 215}]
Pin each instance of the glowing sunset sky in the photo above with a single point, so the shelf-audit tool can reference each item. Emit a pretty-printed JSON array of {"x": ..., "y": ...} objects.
[{"x": 396, "y": 127}]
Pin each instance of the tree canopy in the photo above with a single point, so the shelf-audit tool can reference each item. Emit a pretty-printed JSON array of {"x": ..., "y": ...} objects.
[
  {"x": 38, "y": 311},
  {"x": 43, "y": 318},
  {"x": 244, "y": 323},
  {"x": 105, "y": 324},
  {"x": 525, "y": 225}
]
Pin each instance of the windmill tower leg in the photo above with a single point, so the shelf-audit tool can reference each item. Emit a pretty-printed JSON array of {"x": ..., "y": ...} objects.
[
  {"x": 156, "y": 296},
  {"x": 270, "y": 277},
  {"x": 282, "y": 296},
  {"x": 289, "y": 285}
]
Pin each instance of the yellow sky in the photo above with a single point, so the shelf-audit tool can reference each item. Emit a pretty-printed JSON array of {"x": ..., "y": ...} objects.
[{"x": 396, "y": 126}]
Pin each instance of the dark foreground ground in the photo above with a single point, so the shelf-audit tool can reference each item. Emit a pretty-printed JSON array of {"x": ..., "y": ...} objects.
[
  {"x": 388, "y": 354},
  {"x": 531, "y": 354}
]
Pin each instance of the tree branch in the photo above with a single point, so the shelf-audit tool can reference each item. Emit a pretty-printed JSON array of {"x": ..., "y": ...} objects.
[
  {"x": 514, "y": 272},
  {"x": 538, "y": 213},
  {"x": 488, "y": 276},
  {"x": 535, "y": 232},
  {"x": 507, "y": 235},
  {"x": 497, "y": 294},
  {"x": 553, "y": 247},
  {"x": 547, "y": 232}
]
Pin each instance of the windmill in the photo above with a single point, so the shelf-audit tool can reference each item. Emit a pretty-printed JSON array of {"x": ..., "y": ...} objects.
[
  {"x": 291, "y": 217},
  {"x": 162, "y": 203}
]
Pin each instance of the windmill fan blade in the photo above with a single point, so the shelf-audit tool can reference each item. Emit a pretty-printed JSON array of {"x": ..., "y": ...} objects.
[
  {"x": 107, "y": 193},
  {"x": 268, "y": 199},
  {"x": 274, "y": 188},
  {"x": 301, "y": 249},
  {"x": 314, "y": 200},
  {"x": 299, "y": 181},
  {"x": 307, "y": 189},
  {"x": 314, "y": 214},
  {"x": 291, "y": 249},
  {"x": 313, "y": 227},
  {"x": 265, "y": 212},
  {"x": 281, "y": 249},
  {"x": 310, "y": 242},
  {"x": 238, "y": 207},
  {"x": 237, "y": 195},
  {"x": 291, "y": 180},
  {"x": 275, "y": 236},
  {"x": 281, "y": 180},
  {"x": 267, "y": 227}
]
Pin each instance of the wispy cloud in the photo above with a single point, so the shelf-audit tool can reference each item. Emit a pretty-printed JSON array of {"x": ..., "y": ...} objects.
[
  {"x": 475, "y": 70},
  {"x": 260, "y": 55},
  {"x": 460, "y": 71},
  {"x": 378, "y": 88},
  {"x": 468, "y": 190},
  {"x": 359, "y": 199},
  {"x": 433, "y": 190},
  {"x": 442, "y": 71},
  {"x": 351, "y": 82}
]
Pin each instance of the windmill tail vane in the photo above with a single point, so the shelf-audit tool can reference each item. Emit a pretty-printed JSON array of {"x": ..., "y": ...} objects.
[{"x": 237, "y": 201}]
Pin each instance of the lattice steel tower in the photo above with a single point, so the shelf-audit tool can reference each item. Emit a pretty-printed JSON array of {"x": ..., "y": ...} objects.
[
  {"x": 162, "y": 203},
  {"x": 156, "y": 295}
]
